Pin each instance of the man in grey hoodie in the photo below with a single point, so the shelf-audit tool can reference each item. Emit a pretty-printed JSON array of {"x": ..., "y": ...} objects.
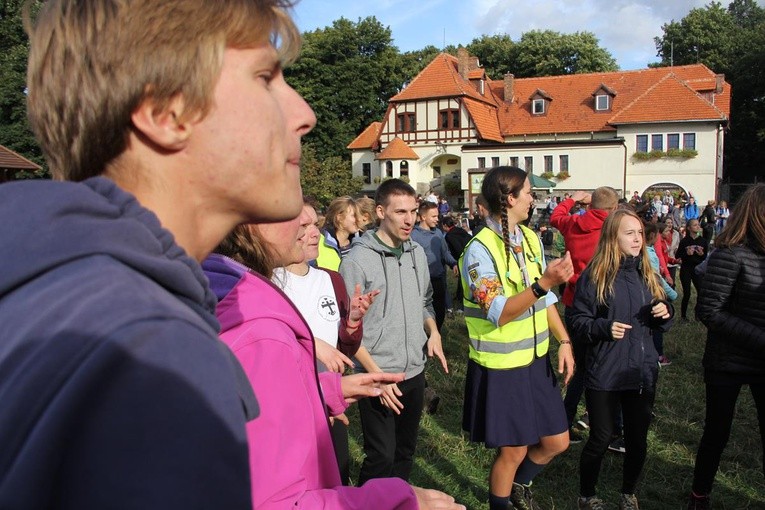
[{"x": 398, "y": 329}]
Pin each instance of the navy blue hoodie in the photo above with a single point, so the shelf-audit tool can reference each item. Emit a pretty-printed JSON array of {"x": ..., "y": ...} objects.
[{"x": 114, "y": 390}]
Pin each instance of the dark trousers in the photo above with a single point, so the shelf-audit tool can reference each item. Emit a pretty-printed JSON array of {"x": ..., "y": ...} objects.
[
  {"x": 389, "y": 438},
  {"x": 439, "y": 298},
  {"x": 459, "y": 296},
  {"x": 721, "y": 404},
  {"x": 688, "y": 275},
  {"x": 601, "y": 406},
  {"x": 575, "y": 386},
  {"x": 658, "y": 341},
  {"x": 339, "y": 432}
]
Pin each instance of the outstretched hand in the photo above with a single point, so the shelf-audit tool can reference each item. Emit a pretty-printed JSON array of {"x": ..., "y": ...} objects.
[
  {"x": 360, "y": 303},
  {"x": 436, "y": 349},
  {"x": 558, "y": 271},
  {"x": 358, "y": 386}
]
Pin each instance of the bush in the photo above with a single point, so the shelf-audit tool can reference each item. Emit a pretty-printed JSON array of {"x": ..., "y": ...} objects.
[
  {"x": 563, "y": 174},
  {"x": 546, "y": 175}
]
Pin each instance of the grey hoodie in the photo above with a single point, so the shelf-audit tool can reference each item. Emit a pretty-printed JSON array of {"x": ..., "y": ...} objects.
[{"x": 393, "y": 327}]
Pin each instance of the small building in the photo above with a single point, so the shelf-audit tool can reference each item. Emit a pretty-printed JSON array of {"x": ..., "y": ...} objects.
[
  {"x": 11, "y": 162},
  {"x": 653, "y": 128}
]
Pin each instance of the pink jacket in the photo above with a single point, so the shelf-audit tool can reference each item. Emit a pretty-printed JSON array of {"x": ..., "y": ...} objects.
[{"x": 292, "y": 460}]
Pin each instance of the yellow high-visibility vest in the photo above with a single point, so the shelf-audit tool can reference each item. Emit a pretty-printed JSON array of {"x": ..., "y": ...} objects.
[
  {"x": 328, "y": 257},
  {"x": 525, "y": 338}
]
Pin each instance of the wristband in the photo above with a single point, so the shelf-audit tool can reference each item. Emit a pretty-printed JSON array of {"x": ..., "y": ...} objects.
[
  {"x": 565, "y": 342},
  {"x": 538, "y": 290}
]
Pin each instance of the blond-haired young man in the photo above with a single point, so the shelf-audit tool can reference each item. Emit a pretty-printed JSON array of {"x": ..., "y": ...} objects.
[{"x": 172, "y": 123}]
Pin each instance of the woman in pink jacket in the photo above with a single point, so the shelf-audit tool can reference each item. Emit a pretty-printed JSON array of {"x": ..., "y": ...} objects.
[{"x": 292, "y": 461}]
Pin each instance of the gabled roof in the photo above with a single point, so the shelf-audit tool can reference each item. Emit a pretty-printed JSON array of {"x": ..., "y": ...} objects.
[
  {"x": 440, "y": 78},
  {"x": 368, "y": 138},
  {"x": 660, "y": 100},
  {"x": 13, "y": 161},
  {"x": 397, "y": 149},
  {"x": 485, "y": 119}
]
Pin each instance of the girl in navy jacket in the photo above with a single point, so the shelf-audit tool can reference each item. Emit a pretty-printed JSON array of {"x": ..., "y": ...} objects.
[{"x": 619, "y": 301}]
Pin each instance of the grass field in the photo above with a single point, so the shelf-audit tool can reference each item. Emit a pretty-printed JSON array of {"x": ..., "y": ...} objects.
[{"x": 446, "y": 460}]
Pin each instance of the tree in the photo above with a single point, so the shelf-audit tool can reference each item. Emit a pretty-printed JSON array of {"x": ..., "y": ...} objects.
[
  {"x": 729, "y": 41},
  {"x": 550, "y": 53},
  {"x": 327, "y": 178},
  {"x": 496, "y": 53},
  {"x": 14, "y": 50},
  {"x": 346, "y": 72}
]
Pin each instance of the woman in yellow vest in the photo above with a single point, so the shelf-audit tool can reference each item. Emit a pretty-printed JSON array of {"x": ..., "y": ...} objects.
[
  {"x": 339, "y": 228},
  {"x": 512, "y": 401}
]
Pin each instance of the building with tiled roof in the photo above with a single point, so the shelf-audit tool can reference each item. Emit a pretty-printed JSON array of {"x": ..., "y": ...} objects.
[
  {"x": 633, "y": 130},
  {"x": 11, "y": 162}
]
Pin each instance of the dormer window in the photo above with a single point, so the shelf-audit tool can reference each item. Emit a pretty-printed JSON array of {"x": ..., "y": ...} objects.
[
  {"x": 602, "y": 102},
  {"x": 540, "y": 102},
  {"x": 603, "y": 97}
]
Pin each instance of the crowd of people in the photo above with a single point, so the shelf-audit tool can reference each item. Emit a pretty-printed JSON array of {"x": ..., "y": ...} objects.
[{"x": 184, "y": 329}]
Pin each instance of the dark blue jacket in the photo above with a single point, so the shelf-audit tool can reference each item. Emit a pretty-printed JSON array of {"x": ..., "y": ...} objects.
[
  {"x": 434, "y": 244},
  {"x": 114, "y": 389},
  {"x": 630, "y": 363}
]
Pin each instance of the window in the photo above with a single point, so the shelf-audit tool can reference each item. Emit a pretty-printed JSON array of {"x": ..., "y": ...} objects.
[
  {"x": 406, "y": 122},
  {"x": 403, "y": 169},
  {"x": 564, "y": 163},
  {"x": 673, "y": 141},
  {"x": 528, "y": 162},
  {"x": 514, "y": 161},
  {"x": 602, "y": 102},
  {"x": 481, "y": 162},
  {"x": 548, "y": 163},
  {"x": 495, "y": 161},
  {"x": 450, "y": 119},
  {"x": 366, "y": 171},
  {"x": 538, "y": 106},
  {"x": 436, "y": 171},
  {"x": 689, "y": 141},
  {"x": 657, "y": 142},
  {"x": 389, "y": 169},
  {"x": 642, "y": 143}
]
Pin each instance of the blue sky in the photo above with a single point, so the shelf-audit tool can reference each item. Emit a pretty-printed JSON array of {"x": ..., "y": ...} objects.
[{"x": 626, "y": 28}]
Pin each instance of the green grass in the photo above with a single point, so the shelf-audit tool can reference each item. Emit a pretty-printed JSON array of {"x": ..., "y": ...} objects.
[{"x": 446, "y": 460}]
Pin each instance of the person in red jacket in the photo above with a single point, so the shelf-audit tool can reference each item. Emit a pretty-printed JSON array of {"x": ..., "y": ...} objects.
[{"x": 581, "y": 234}]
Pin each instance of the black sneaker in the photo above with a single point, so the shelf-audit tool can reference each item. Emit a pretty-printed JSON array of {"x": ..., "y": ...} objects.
[
  {"x": 522, "y": 499},
  {"x": 575, "y": 436},
  {"x": 617, "y": 445},
  {"x": 584, "y": 421}
]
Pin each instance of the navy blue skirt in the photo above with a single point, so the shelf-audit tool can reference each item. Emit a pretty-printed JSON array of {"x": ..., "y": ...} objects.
[{"x": 513, "y": 407}]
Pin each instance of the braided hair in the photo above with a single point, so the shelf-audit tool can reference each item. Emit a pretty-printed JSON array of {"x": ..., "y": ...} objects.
[{"x": 500, "y": 183}]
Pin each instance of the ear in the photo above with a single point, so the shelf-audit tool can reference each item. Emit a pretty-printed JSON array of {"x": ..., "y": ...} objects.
[
  {"x": 164, "y": 126},
  {"x": 380, "y": 210}
]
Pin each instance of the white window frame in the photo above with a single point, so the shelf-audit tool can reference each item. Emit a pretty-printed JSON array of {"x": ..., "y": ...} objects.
[
  {"x": 534, "y": 108},
  {"x": 598, "y": 106}
]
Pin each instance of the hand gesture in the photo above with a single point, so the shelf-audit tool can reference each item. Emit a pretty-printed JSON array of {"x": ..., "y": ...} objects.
[
  {"x": 389, "y": 398},
  {"x": 430, "y": 499},
  {"x": 435, "y": 348},
  {"x": 357, "y": 386},
  {"x": 558, "y": 271},
  {"x": 660, "y": 311},
  {"x": 333, "y": 359},
  {"x": 582, "y": 197},
  {"x": 360, "y": 303},
  {"x": 341, "y": 418},
  {"x": 619, "y": 329}
]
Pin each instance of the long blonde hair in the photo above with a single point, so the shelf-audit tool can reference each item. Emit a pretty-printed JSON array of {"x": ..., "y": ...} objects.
[{"x": 608, "y": 257}]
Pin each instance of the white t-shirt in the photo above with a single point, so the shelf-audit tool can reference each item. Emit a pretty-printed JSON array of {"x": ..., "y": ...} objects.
[{"x": 314, "y": 296}]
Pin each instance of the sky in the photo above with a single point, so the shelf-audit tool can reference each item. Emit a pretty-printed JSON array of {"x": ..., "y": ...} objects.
[{"x": 625, "y": 28}]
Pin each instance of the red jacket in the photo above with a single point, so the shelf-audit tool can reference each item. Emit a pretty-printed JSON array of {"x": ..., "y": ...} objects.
[{"x": 581, "y": 234}]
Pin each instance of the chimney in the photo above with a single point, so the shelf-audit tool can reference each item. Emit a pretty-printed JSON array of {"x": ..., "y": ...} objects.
[
  {"x": 509, "y": 83},
  {"x": 719, "y": 81},
  {"x": 473, "y": 63},
  {"x": 463, "y": 62}
]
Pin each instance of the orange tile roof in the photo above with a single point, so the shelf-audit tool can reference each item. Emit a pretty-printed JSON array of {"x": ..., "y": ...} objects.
[
  {"x": 368, "y": 138},
  {"x": 397, "y": 149},
  {"x": 485, "y": 119},
  {"x": 440, "y": 78},
  {"x": 660, "y": 102},
  {"x": 572, "y": 111},
  {"x": 13, "y": 161}
]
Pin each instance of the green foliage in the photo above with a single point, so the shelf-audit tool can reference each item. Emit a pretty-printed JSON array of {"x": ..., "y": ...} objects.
[
  {"x": 547, "y": 175},
  {"x": 452, "y": 187},
  {"x": 671, "y": 153},
  {"x": 347, "y": 73},
  {"x": 15, "y": 133},
  {"x": 327, "y": 178},
  {"x": 496, "y": 53},
  {"x": 562, "y": 175}
]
